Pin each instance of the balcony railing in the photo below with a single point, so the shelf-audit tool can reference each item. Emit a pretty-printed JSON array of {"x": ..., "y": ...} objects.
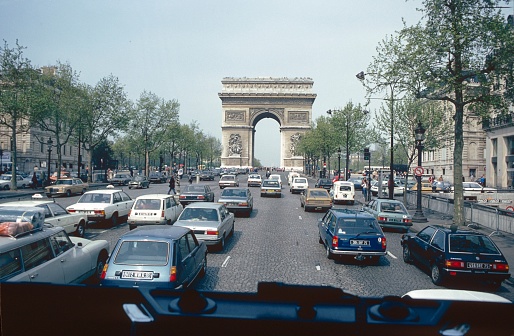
[{"x": 500, "y": 121}]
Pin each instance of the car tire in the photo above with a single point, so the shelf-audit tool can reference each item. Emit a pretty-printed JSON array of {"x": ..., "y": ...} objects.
[
  {"x": 328, "y": 253},
  {"x": 436, "y": 275},
  {"x": 130, "y": 187},
  {"x": 100, "y": 263},
  {"x": 221, "y": 244},
  {"x": 320, "y": 240},
  {"x": 7, "y": 187},
  {"x": 132, "y": 227},
  {"x": 81, "y": 229},
  {"x": 114, "y": 219},
  {"x": 407, "y": 258},
  {"x": 68, "y": 193},
  {"x": 49, "y": 195}
]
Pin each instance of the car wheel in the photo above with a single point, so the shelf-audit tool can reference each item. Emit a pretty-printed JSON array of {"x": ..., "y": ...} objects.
[
  {"x": 83, "y": 191},
  {"x": 7, "y": 187},
  {"x": 130, "y": 187},
  {"x": 221, "y": 244},
  {"x": 49, "y": 195},
  {"x": 328, "y": 253},
  {"x": 132, "y": 227},
  {"x": 435, "y": 275},
  {"x": 406, "y": 254},
  {"x": 320, "y": 240},
  {"x": 203, "y": 271},
  {"x": 68, "y": 193},
  {"x": 23, "y": 186},
  {"x": 100, "y": 263},
  {"x": 114, "y": 219},
  {"x": 81, "y": 229}
]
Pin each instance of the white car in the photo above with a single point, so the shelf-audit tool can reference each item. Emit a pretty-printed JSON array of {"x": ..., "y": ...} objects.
[
  {"x": 21, "y": 182},
  {"x": 55, "y": 214},
  {"x": 276, "y": 177},
  {"x": 103, "y": 205},
  {"x": 291, "y": 177},
  {"x": 298, "y": 184},
  {"x": 254, "y": 180},
  {"x": 397, "y": 191},
  {"x": 154, "y": 209}
]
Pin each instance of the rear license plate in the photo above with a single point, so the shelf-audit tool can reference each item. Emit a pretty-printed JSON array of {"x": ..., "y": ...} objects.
[
  {"x": 478, "y": 265},
  {"x": 359, "y": 242},
  {"x": 137, "y": 275},
  {"x": 392, "y": 220}
]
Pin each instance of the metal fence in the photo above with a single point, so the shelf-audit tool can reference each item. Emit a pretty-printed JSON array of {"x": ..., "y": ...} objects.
[{"x": 498, "y": 220}]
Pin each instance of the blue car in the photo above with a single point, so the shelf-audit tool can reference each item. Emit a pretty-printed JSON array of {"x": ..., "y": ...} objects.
[{"x": 354, "y": 233}]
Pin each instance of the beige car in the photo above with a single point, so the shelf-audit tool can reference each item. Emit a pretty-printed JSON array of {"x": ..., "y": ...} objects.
[
  {"x": 66, "y": 186},
  {"x": 315, "y": 199}
]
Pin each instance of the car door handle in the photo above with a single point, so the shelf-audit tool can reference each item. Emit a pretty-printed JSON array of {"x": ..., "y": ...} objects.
[
  {"x": 63, "y": 260},
  {"x": 33, "y": 276}
]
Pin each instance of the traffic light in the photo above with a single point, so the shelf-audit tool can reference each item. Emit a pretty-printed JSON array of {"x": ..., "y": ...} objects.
[{"x": 367, "y": 154}]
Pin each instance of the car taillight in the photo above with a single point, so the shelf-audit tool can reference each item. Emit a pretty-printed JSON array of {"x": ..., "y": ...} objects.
[
  {"x": 211, "y": 232},
  {"x": 407, "y": 220},
  {"x": 243, "y": 204},
  {"x": 382, "y": 218},
  {"x": 104, "y": 271},
  {"x": 201, "y": 197},
  {"x": 383, "y": 241},
  {"x": 130, "y": 211},
  {"x": 72, "y": 210},
  {"x": 455, "y": 263},
  {"x": 504, "y": 267},
  {"x": 173, "y": 273},
  {"x": 335, "y": 240},
  {"x": 100, "y": 212},
  {"x": 182, "y": 197},
  {"x": 162, "y": 213}
]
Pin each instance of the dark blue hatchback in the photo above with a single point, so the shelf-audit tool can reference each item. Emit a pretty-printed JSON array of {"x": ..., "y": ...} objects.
[{"x": 355, "y": 233}]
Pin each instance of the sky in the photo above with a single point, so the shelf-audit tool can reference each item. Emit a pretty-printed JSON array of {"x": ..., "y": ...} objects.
[{"x": 183, "y": 49}]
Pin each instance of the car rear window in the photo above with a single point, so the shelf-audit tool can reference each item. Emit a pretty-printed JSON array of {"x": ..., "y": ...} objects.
[
  {"x": 135, "y": 252},
  {"x": 233, "y": 193},
  {"x": 95, "y": 198},
  {"x": 318, "y": 193},
  {"x": 196, "y": 214},
  {"x": 270, "y": 184},
  {"x": 357, "y": 225},
  {"x": 10, "y": 263},
  {"x": 147, "y": 204},
  {"x": 472, "y": 244}
]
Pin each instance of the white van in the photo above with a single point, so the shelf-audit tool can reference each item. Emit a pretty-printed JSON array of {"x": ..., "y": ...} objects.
[
  {"x": 291, "y": 177},
  {"x": 154, "y": 209},
  {"x": 343, "y": 192}
]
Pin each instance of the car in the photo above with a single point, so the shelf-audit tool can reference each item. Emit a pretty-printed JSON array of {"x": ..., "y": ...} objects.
[
  {"x": 228, "y": 180},
  {"x": 55, "y": 214},
  {"x": 66, "y": 187},
  {"x": 276, "y": 177},
  {"x": 120, "y": 179},
  {"x": 471, "y": 190},
  {"x": 459, "y": 255},
  {"x": 454, "y": 295},
  {"x": 193, "y": 193},
  {"x": 206, "y": 175},
  {"x": 397, "y": 189},
  {"x": 103, "y": 205},
  {"x": 357, "y": 182},
  {"x": 64, "y": 174},
  {"x": 154, "y": 209},
  {"x": 36, "y": 252},
  {"x": 298, "y": 185},
  {"x": 442, "y": 186},
  {"x": 291, "y": 176},
  {"x": 426, "y": 187},
  {"x": 315, "y": 199},
  {"x": 139, "y": 182},
  {"x": 254, "y": 180},
  {"x": 211, "y": 223},
  {"x": 343, "y": 192},
  {"x": 324, "y": 183},
  {"x": 21, "y": 182},
  {"x": 345, "y": 232},
  {"x": 271, "y": 188},
  {"x": 237, "y": 200},
  {"x": 157, "y": 177},
  {"x": 390, "y": 214},
  {"x": 157, "y": 256}
]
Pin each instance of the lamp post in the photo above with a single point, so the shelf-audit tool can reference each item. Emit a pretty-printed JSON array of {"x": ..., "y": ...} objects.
[
  {"x": 338, "y": 163},
  {"x": 419, "y": 136},
  {"x": 49, "y": 143}
]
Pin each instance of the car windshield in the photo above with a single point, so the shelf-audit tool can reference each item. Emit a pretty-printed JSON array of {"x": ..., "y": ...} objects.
[
  {"x": 144, "y": 253},
  {"x": 197, "y": 214},
  {"x": 393, "y": 207},
  {"x": 194, "y": 189},
  {"x": 139, "y": 178},
  {"x": 233, "y": 193},
  {"x": 147, "y": 204},
  {"x": 270, "y": 184},
  {"x": 357, "y": 225},
  {"x": 472, "y": 244},
  {"x": 228, "y": 178},
  {"x": 318, "y": 193},
  {"x": 95, "y": 198},
  {"x": 5, "y": 177},
  {"x": 64, "y": 182},
  {"x": 300, "y": 180}
]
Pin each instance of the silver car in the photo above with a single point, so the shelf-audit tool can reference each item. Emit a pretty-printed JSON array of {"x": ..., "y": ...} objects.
[
  {"x": 237, "y": 200},
  {"x": 211, "y": 222}
]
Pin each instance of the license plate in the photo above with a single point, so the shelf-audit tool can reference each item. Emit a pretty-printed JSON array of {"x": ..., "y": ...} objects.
[
  {"x": 392, "y": 220},
  {"x": 479, "y": 265},
  {"x": 232, "y": 203},
  {"x": 359, "y": 242},
  {"x": 270, "y": 191},
  {"x": 137, "y": 275}
]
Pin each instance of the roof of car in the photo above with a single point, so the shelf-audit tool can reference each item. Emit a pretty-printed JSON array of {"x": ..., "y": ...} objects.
[
  {"x": 26, "y": 203},
  {"x": 103, "y": 191},
  {"x": 447, "y": 229},
  {"x": 156, "y": 231},
  {"x": 342, "y": 212},
  {"x": 153, "y": 196},
  {"x": 7, "y": 243},
  {"x": 205, "y": 205}
]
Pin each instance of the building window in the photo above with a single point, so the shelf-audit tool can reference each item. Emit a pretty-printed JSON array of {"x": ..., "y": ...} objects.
[{"x": 510, "y": 145}]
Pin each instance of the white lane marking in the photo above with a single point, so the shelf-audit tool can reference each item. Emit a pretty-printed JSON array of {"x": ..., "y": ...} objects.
[
  {"x": 225, "y": 262},
  {"x": 299, "y": 217},
  {"x": 391, "y": 255},
  {"x": 318, "y": 268}
]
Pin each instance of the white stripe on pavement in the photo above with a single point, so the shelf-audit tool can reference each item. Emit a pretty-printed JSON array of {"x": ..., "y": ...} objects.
[
  {"x": 225, "y": 262},
  {"x": 391, "y": 255}
]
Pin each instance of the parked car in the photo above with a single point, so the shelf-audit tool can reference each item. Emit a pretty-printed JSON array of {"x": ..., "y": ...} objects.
[
  {"x": 298, "y": 185},
  {"x": 237, "y": 200},
  {"x": 390, "y": 214},
  {"x": 343, "y": 192},
  {"x": 254, "y": 180},
  {"x": 21, "y": 182},
  {"x": 206, "y": 175},
  {"x": 357, "y": 182},
  {"x": 48, "y": 254},
  {"x": 157, "y": 177},
  {"x": 139, "y": 182},
  {"x": 442, "y": 186},
  {"x": 271, "y": 188},
  {"x": 211, "y": 222},
  {"x": 276, "y": 177},
  {"x": 426, "y": 187},
  {"x": 315, "y": 199},
  {"x": 64, "y": 174},
  {"x": 354, "y": 233},
  {"x": 103, "y": 205},
  {"x": 456, "y": 254},
  {"x": 55, "y": 214},
  {"x": 66, "y": 187},
  {"x": 471, "y": 190},
  {"x": 324, "y": 183},
  {"x": 157, "y": 256},
  {"x": 228, "y": 180},
  {"x": 120, "y": 179},
  {"x": 193, "y": 193},
  {"x": 397, "y": 189},
  {"x": 154, "y": 209}
]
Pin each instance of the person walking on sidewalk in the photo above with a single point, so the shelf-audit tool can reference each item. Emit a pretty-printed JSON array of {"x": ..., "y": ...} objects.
[{"x": 172, "y": 185}]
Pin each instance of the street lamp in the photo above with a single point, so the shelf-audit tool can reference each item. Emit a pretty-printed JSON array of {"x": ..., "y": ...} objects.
[
  {"x": 49, "y": 143},
  {"x": 419, "y": 136},
  {"x": 339, "y": 163}
]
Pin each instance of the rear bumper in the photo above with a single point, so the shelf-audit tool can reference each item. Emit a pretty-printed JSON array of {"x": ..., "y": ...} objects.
[{"x": 356, "y": 253}]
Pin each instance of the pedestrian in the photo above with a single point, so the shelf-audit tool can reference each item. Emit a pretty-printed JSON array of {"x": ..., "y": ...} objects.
[
  {"x": 440, "y": 179},
  {"x": 190, "y": 178},
  {"x": 365, "y": 189},
  {"x": 172, "y": 185},
  {"x": 34, "y": 181}
]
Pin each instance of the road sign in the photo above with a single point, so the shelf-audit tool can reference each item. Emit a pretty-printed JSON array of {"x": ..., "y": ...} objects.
[{"x": 418, "y": 171}]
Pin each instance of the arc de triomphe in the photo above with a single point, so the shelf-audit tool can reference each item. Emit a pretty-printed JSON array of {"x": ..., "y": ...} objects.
[{"x": 246, "y": 101}]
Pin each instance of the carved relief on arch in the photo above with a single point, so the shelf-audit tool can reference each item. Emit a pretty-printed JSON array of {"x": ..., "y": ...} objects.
[
  {"x": 237, "y": 116},
  {"x": 277, "y": 111},
  {"x": 300, "y": 117},
  {"x": 235, "y": 145}
]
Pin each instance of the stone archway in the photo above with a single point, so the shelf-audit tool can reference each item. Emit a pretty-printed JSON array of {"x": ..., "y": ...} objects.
[{"x": 246, "y": 101}]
